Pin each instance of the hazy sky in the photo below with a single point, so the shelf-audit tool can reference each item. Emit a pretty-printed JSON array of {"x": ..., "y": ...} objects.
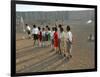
[{"x": 23, "y": 7}]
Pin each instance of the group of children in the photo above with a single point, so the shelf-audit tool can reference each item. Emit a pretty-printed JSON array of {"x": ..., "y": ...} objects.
[
  {"x": 57, "y": 38},
  {"x": 63, "y": 41}
]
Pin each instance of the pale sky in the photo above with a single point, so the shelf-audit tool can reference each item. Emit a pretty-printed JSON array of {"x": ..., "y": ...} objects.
[{"x": 23, "y": 7}]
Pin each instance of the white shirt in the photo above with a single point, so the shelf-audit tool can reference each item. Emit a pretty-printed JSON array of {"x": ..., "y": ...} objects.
[
  {"x": 28, "y": 28},
  {"x": 52, "y": 34},
  {"x": 36, "y": 31},
  {"x": 69, "y": 36},
  {"x": 43, "y": 33}
]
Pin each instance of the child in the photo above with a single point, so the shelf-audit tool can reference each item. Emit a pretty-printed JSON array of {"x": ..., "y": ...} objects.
[
  {"x": 35, "y": 31},
  {"x": 46, "y": 33},
  {"x": 49, "y": 33},
  {"x": 43, "y": 37},
  {"x": 56, "y": 40},
  {"x": 49, "y": 36},
  {"x": 39, "y": 36},
  {"x": 52, "y": 38},
  {"x": 28, "y": 30},
  {"x": 69, "y": 41},
  {"x": 63, "y": 42},
  {"x": 59, "y": 37}
]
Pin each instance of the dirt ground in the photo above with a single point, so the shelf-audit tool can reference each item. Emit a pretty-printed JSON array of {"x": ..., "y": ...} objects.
[{"x": 35, "y": 59}]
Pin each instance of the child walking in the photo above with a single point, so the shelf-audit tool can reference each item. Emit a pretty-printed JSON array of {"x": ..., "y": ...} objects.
[
  {"x": 28, "y": 30},
  {"x": 35, "y": 34}
]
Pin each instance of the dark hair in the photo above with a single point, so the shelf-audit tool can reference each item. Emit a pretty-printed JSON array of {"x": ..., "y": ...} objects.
[
  {"x": 39, "y": 28},
  {"x": 43, "y": 28},
  {"x": 61, "y": 29},
  {"x": 48, "y": 28},
  {"x": 59, "y": 25},
  {"x": 26, "y": 24},
  {"x": 52, "y": 28},
  {"x": 55, "y": 29},
  {"x": 68, "y": 28},
  {"x": 34, "y": 26}
]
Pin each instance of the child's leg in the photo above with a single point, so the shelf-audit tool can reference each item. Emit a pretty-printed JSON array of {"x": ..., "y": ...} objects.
[
  {"x": 67, "y": 50},
  {"x": 56, "y": 49},
  {"x": 39, "y": 43},
  {"x": 63, "y": 51},
  {"x": 43, "y": 43},
  {"x": 59, "y": 47},
  {"x": 51, "y": 44},
  {"x": 70, "y": 50},
  {"x": 69, "y": 53},
  {"x": 34, "y": 42}
]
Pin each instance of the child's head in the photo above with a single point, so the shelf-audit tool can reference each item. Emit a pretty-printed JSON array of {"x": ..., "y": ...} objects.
[
  {"x": 68, "y": 28},
  {"x": 55, "y": 29},
  {"x": 26, "y": 24},
  {"x": 59, "y": 25},
  {"x": 47, "y": 28},
  {"x": 39, "y": 28},
  {"x": 34, "y": 26}
]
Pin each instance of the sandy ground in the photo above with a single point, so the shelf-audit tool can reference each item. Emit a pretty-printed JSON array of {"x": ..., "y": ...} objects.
[{"x": 30, "y": 59}]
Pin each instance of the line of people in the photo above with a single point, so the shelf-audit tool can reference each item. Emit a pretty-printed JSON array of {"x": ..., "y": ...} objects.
[{"x": 57, "y": 38}]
